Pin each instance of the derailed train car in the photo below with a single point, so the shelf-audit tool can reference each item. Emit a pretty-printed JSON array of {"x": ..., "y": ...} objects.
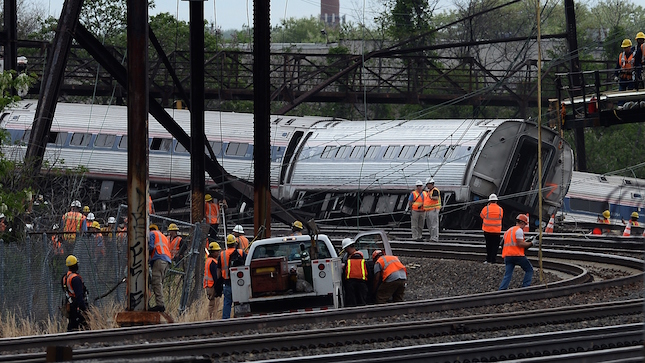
[{"x": 338, "y": 171}]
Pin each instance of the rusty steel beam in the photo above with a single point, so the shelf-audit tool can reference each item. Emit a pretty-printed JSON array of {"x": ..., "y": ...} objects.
[
  {"x": 198, "y": 137},
  {"x": 52, "y": 80},
  {"x": 261, "y": 120},
  {"x": 138, "y": 236}
]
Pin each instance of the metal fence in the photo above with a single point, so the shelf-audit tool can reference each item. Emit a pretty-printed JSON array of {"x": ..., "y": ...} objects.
[{"x": 31, "y": 270}]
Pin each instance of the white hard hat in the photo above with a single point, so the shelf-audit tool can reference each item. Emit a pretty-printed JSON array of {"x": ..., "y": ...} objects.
[
  {"x": 238, "y": 229},
  {"x": 430, "y": 180},
  {"x": 111, "y": 220},
  {"x": 347, "y": 242},
  {"x": 492, "y": 198},
  {"x": 90, "y": 216},
  {"x": 419, "y": 183},
  {"x": 1, "y": 215},
  {"x": 76, "y": 203}
]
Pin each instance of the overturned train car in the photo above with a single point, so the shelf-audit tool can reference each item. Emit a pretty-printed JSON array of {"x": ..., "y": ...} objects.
[{"x": 337, "y": 171}]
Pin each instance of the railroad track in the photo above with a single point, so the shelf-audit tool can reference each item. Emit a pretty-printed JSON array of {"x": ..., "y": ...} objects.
[{"x": 577, "y": 282}]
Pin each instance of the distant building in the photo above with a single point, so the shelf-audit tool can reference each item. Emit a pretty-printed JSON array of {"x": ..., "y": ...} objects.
[{"x": 330, "y": 12}]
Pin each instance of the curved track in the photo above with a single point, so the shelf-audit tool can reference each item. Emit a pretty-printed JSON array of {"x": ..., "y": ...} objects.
[{"x": 578, "y": 281}]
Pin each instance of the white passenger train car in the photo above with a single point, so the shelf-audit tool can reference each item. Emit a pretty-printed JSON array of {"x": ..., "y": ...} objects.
[{"x": 336, "y": 170}]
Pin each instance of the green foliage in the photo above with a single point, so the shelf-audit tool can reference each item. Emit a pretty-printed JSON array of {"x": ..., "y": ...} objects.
[
  {"x": 407, "y": 19},
  {"x": 106, "y": 19},
  {"x": 303, "y": 30}
]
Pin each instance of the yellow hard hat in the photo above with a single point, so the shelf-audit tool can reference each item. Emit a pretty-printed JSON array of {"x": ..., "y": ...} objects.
[
  {"x": 634, "y": 214},
  {"x": 230, "y": 239},
  {"x": 153, "y": 227},
  {"x": 86, "y": 209},
  {"x": 640, "y": 35},
  {"x": 173, "y": 227},
  {"x": 297, "y": 224},
  {"x": 96, "y": 224},
  {"x": 626, "y": 43},
  {"x": 208, "y": 197},
  {"x": 214, "y": 246},
  {"x": 606, "y": 214},
  {"x": 71, "y": 260}
]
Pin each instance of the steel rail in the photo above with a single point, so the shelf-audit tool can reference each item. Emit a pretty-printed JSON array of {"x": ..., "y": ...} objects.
[
  {"x": 321, "y": 338},
  {"x": 279, "y": 320},
  {"x": 498, "y": 349}
]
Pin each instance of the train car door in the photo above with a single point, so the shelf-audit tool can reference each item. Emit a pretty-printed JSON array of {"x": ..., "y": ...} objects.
[{"x": 296, "y": 144}]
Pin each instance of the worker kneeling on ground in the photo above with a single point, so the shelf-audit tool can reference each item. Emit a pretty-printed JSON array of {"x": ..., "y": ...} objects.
[
  {"x": 513, "y": 253},
  {"x": 355, "y": 276},
  {"x": 392, "y": 276},
  {"x": 213, "y": 280}
]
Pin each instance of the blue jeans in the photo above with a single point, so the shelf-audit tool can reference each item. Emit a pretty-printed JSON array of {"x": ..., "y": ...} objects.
[
  {"x": 511, "y": 262},
  {"x": 228, "y": 301}
]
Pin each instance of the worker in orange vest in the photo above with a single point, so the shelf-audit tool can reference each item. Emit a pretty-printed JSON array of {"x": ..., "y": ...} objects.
[
  {"x": 212, "y": 214},
  {"x": 213, "y": 280},
  {"x": 513, "y": 253},
  {"x": 176, "y": 244},
  {"x": 73, "y": 222},
  {"x": 355, "y": 275},
  {"x": 418, "y": 214},
  {"x": 624, "y": 74},
  {"x": 634, "y": 219},
  {"x": 224, "y": 261},
  {"x": 390, "y": 277},
  {"x": 492, "y": 215},
  {"x": 159, "y": 262},
  {"x": 75, "y": 295},
  {"x": 432, "y": 206},
  {"x": 242, "y": 241}
]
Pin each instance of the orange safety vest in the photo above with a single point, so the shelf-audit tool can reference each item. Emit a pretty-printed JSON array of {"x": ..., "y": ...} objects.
[
  {"x": 491, "y": 216},
  {"x": 161, "y": 245},
  {"x": 356, "y": 269},
  {"x": 417, "y": 204},
  {"x": 68, "y": 281},
  {"x": 635, "y": 223},
  {"x": 224, "y": 259},
  {"x": 390, "y": 264},
  {"x": 151, "y": 207},
  {"x": 510, "y": 243},
  {"x": 209, "y": 281},
  {"x": 606, "y": 221},
  {"x": 626, "y": 65},
  {"x": 174, "y": 246},
  {"x": 56, "y": 245},
  {"x": 429, "y": 203},
  {"x": 72, "y": 223},
  {"x": 211, "y": 212},
  {"x": 242, "y": 242}
]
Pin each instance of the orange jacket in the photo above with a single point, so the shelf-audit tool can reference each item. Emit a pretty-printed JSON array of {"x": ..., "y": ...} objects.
[
  {"x": 390, "y": 264},
  {"x": 161, "y": 245},
  {"x": 242, "y": 242},
  {"x": 491, "y": 216},
  {"x": 356, "y": 269},
  {"x": 225, "y": 257},
  {"x": 174, "y": 246},
  {"x": 510, "y": 243},
  {"x": 72, "y": 222},
  {"x": 68, "y": 280},
  {"x": 209, "y": 280},
  {"x": 211, "y": 212},
  {"x": 626, "y": 66},
  {"x": 417, "y": 200},
  {"x": 429, "y": 203}
]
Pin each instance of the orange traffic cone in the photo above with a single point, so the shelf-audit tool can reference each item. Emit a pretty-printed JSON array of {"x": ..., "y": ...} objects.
[
  {"x": 526, "y": 226},
  {"x": 549, "y": 227},
  {"x": 628, "y": 229}
]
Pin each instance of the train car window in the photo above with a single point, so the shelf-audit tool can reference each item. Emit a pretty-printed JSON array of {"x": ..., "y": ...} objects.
[
  {"x": 637, "y": 196},
  {"x": 104, "y": 140},
  {"x": 160, "y": 144},
  {"x": 327, "y": 152},
  {"x": 366, "y": 204},
  {"x": 236, "y": 148},
  {"x": 180, "y": 148},
  {"x": 57, "y": 138},
  {"x": 438, "y": 152},
  {"x": 25, "y": 137},
  {"x": 422, "y": 151},
  {"x": 358, "y": 152},
  {"x": 80, "y": 139},
  {"x": 372, "y": 152},
  {"x": 585, "y": 205},
  {"x": 391, "y": 152},
  {"x": 407, "y": 152},
  {"x": 386, "y": 203},
  {"x": 217, "y": 147},
  {"x": 343, "y": 151},
  {"x": 627, "y": 182},
  {"x": 123, "y": 143}
]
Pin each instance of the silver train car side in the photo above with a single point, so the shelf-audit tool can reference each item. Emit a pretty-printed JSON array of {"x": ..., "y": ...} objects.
[{"x": 337, "y": 171}]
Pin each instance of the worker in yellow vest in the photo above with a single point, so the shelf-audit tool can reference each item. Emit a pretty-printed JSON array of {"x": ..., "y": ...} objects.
[{"x": 432, "y": 206}]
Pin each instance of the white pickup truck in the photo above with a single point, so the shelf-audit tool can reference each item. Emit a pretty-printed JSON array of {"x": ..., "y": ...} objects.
[{"x": 280, "y": 275}]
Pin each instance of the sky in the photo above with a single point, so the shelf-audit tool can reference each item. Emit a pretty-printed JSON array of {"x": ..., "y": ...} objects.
[{"x": 233, "y": 14}]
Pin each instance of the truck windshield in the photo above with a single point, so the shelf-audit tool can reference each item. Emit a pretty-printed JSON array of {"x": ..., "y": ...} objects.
[{"x": 291, "y": 250}]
